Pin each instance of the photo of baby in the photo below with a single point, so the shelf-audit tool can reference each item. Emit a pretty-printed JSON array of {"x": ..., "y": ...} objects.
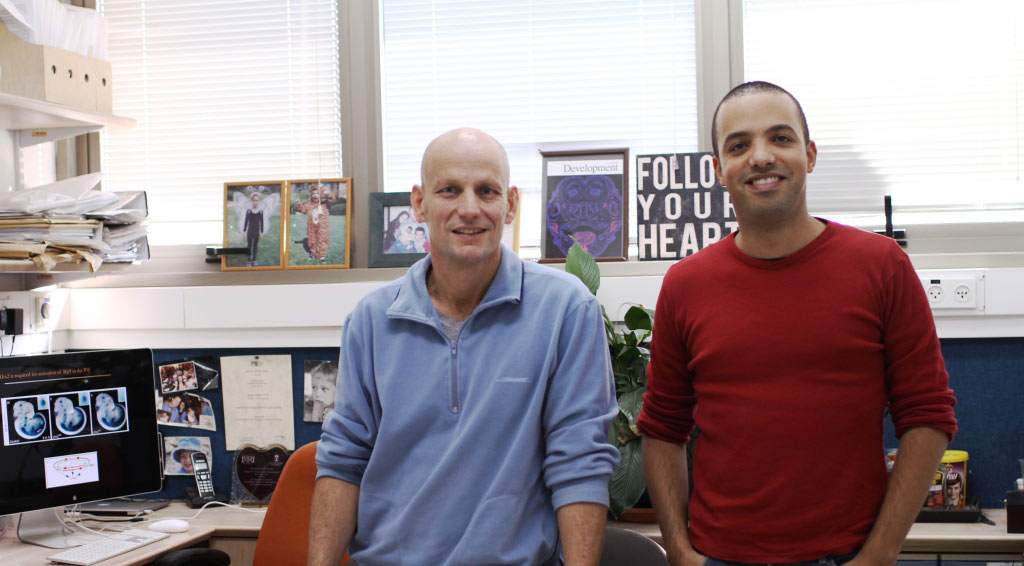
[
  {"x": 318, "y": 389},
  {"x": 178, "y": 452}
]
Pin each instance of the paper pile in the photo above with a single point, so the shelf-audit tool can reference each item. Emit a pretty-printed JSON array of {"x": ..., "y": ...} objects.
[{"x": 70, "y": 222}]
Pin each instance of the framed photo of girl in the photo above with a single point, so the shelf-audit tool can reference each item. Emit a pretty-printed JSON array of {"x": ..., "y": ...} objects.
[
  {"x": 319, "y": 231},
  {"x": 253, "y": 220},
  {"x": 585, "y": 199}
]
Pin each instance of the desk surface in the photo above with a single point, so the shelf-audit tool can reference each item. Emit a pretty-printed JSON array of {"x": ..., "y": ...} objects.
[
  {"x": 213, "y": 521},
  {"x": 933, "y": 538}
]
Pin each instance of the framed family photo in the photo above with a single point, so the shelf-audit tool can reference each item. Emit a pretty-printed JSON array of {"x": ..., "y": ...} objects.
[
  {"x": 319, "y": 231},
  {"x": 585, "y": 200},
  {"x": 396, "y": 238},
  {"x": 253, "y": 219}
]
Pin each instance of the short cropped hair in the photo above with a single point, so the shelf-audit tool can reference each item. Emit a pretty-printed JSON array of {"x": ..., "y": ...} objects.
[{"x": 751, "y": 88}]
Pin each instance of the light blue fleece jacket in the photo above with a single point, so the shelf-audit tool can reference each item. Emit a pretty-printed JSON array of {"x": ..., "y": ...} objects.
[{"x": 464, "y": 450}]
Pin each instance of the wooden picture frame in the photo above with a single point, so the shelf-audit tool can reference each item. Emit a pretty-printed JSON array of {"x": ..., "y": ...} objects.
[
  {"x": 318, "y": 225},
  {"x": 394, "y": 238},
  {"x": 262, "y": 202},
  {"x": 585, "y": 196}
]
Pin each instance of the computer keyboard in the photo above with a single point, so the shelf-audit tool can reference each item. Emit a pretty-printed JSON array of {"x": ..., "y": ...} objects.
[{"x": 111, "y": 545}]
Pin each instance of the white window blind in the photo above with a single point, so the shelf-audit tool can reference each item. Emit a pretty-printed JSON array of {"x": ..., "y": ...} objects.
[
  {"x": 223, "y": 90},
  {"x": 920, "y": 99},
  {"x": 537, "y": 74}
]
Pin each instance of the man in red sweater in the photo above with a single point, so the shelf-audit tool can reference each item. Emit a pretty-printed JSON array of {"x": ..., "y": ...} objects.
[{"x": 785, "y": 343}]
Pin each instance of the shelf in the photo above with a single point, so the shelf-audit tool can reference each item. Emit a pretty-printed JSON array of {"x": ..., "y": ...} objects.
[{"x": 20, "y": 113}]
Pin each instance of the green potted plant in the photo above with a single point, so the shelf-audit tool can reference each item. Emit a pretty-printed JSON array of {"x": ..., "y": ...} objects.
[{"x": 629, "y": 345}]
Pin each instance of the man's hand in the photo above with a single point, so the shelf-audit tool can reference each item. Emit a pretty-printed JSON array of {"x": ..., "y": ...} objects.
[
  {"x": 688, "y": 557},
  {"x": 668, "y": 486},
  {"x": 919, "y": 454}
]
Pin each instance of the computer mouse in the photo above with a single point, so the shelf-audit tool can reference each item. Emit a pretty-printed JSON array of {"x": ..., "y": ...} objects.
[{"x": 170, "y": 526}]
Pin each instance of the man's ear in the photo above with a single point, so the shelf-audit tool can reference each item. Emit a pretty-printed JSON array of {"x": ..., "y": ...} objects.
[
  {"x": 718, "y": 170},
  {"x": 417, "y": 203},
  {"x": 812, "y": 156},
  {"x": 513, "y": 204}
]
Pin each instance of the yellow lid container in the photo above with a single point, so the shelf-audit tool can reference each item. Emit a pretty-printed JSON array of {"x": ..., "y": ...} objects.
[{"x": 951, "y": 456}]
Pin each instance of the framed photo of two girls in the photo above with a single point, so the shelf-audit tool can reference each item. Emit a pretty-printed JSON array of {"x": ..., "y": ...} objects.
[{"x": 298, "y": 224}]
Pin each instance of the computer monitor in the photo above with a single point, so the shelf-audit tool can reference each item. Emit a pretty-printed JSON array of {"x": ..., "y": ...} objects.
[{"x": 76, "y": 427}]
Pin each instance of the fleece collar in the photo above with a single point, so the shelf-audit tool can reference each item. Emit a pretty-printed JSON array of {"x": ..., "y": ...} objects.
[{"x": 413, "y": 300}]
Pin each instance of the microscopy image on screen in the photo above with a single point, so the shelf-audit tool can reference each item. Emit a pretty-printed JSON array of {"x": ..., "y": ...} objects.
[
  {"x": 26, "y": 420},
  {"x": 109, "y": 410},
  {"x": 71, "y": 414}
]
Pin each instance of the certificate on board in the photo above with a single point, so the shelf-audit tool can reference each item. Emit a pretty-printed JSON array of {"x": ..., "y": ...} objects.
[{"x": 258, "y": 405}]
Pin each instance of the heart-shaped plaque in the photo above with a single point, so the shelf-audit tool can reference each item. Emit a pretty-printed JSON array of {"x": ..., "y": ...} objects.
[{"x": 256, "y": 472}]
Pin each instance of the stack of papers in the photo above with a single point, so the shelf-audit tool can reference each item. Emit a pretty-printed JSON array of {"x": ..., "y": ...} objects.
[{"x": 70, "y": 222}]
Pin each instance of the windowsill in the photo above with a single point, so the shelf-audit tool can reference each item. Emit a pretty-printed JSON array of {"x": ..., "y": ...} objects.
[{"x": 185, "y": 266}]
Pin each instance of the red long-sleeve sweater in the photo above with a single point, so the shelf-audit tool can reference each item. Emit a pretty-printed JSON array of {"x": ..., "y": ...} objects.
[{"x": 787, "y": 367}]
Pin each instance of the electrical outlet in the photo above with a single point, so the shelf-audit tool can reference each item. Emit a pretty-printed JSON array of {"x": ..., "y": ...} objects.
[{"x": 952, "y": 293}]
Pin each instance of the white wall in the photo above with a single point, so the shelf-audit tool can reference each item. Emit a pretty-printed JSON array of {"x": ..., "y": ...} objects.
[{"x": 311, "y": 315}]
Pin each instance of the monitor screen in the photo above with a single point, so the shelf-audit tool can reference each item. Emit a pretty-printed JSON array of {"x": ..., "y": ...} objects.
[{"x": 77, "y": 427}]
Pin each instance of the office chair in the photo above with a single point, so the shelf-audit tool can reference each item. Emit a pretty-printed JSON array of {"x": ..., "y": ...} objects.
[
  {"x": 626, "y": 548},
  {"x": 284, "y": 536}
]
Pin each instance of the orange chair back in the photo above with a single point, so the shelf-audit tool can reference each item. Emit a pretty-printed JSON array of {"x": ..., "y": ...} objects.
[{"x": 284, "y": 537}]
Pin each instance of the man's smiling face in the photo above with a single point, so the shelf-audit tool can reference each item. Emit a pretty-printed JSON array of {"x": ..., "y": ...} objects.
[{"x": 763, "y": 158}]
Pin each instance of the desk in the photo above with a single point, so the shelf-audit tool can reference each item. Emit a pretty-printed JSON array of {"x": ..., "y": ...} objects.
[
  {"x": 930, "y": 538},
  {"x": 231, "y": 530},
  {"x": 235, "y": 531}
]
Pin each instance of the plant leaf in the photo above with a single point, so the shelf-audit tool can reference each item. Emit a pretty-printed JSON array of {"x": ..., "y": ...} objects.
[
  {"x": 627, "y": 483},
  {"x": 630, "y": 403},
  {"x": 582, "y": 265},
  {"x": 637, "y": 318}
]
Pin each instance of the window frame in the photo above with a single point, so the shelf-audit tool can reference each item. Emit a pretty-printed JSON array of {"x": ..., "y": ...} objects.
[{"x": 719, "y": 28}]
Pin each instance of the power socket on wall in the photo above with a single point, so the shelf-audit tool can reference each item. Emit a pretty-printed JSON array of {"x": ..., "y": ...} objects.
[{"x": 953, "y": 292}]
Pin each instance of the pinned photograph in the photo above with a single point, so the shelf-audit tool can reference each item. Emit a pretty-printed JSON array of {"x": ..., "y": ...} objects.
[
  {"x": 253, "y": 221},
  {"x": 319, "y": 231},
  {"x": 178, "y": 452},
  {"x": 318, "y": 390},
  {"x": 185, "y": 410},
  {"x": 206, "y": 370},
  {"x": 178, "y": 377},
  {"x": 109, "y": 410}
]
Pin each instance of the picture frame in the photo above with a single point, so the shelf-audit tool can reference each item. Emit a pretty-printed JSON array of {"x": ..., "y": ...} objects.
[
  {"x": 388, "y": 212},
  {"x": 393, "y": 231},
  {"x": 585, "y": 196},
  {"x": 262, "y": 202},
  {"x": 318, "y": 230}
]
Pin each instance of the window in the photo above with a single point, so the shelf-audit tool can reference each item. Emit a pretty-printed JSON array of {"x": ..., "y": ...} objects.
[
  {"x": 537, "y": 75},
  {"x": 920, "y": 99},
  {"x": 225, "y": 90}
]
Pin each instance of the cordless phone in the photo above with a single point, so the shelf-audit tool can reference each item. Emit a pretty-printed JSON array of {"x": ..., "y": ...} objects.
[{"x": 204, "y": 481}]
